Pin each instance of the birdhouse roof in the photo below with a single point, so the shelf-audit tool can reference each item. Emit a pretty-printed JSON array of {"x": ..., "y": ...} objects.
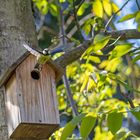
[{"x": 7, "y": 74}]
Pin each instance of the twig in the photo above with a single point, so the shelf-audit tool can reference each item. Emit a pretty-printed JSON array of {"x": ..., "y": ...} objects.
[
  {"x": 128, "y": 99},
  {"x": 111, "y": 18},
  {"x": 138, "y": 4},
  {"x": 112, "y": 44},
  {"x": 76, "y": 20},
  {"x": 65, "y": 79},
  {"x": 69, "y": 94}
]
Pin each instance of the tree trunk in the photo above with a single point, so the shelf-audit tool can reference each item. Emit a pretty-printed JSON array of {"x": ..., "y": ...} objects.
[{"x": 16, "y": 28}]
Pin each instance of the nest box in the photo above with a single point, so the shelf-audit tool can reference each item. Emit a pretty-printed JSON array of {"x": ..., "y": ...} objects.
[{"x": 31, "y": 105}]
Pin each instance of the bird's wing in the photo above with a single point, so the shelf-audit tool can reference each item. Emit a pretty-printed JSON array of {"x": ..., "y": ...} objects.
[
  {"x": 43, "y": 59},
  {"x": 32, "y": 50},
  {"x": 62, "y": 48}
]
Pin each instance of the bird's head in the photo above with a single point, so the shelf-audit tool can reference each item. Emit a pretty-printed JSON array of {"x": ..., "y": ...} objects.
[{"x": 46, "y": 51}]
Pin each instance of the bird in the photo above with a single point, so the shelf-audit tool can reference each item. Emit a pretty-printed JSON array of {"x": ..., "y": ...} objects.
[{"x": 42, "y": 58}]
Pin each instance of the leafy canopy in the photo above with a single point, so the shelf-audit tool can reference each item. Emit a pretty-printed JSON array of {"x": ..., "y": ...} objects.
[{"x": 106, "y": 77}]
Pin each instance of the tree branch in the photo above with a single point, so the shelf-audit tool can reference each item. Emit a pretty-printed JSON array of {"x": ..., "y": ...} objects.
[
  {"x": 72, "y": 55},
  {"x": 126, "y": 34},
  {"x": 138, "y": 4},
  {"x": 76, "y": 53}
]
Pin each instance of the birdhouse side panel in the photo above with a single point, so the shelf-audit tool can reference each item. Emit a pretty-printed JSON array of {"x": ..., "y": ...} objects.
[
  {"x": 37, "y": 100},
  {"x": 48, "y": 86},
  {"x": 12, "y": 105}
]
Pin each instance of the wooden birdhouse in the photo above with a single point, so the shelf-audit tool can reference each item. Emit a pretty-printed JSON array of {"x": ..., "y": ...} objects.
[{"x": 31, "y": 105}]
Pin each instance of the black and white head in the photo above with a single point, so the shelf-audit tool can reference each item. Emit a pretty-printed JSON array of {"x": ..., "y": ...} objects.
[{"x": 46, "y": 51}]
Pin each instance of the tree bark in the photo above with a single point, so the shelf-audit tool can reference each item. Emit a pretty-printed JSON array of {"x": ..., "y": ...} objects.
[{"x": 16, "y": 28}]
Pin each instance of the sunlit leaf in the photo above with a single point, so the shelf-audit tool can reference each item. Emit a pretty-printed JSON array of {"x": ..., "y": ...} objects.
[
  {"x": 82, "y": 9},
  {"x": 61, "y": 1},
  {"x": 94, "y": 59},
  {"x": 107, "y": 7},
  {"x": 71, "y": 126},
  {"x": 91, "y": 84},
  {"x": 104, "y": 64},
  {"x": 115, "y": 8},
  {"x": 100, "y": 43},
  {"x": 114, "y": 121},
  {"x": 120, "y": 50},
  {"x": 127, "y": 17},
  {"x": 113, "y": 64},
  {"x": 85, "y": 81},
  {"x": 87, "y": 29},
  {"x": 71, "y": 70},
  {"x": 97, "y": 8},
  {"x": 137, "y": 19},
  {"x": 87, "y": 125},
  {"x": 53, "y": 9},
  {"x": 42, "y": 6}
]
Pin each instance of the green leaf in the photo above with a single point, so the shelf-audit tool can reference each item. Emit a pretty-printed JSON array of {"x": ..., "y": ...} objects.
[
  {"x": 113, "y": 64},
  {"x": 67, "y": 131},
  {"x": 77, "y": 119},
  {"x": 87, "y": 29},
  {"x": 136, "y": 112},
  {"x": 87, "y": 125},
  {"x": 115, "y": 8},
  {"x": 137, "y": 17},
  {"x": 53, "y": 9},
  {"x": 114, "y": 121},
  {"x": 100, "y": 42},
  {"x": 138, "y": 27},
  {"x": 107, "y": 7},
  {"x": 120, "y": 50},
  {"x": 42, "y": 6},
  {"x": 98, "y": 38},
  {"x": 61, "y": 1},
  {"x": 82, "y": 9},
  {"x": 85, "y": 82},
  {"x": 127, "y": 17},
  {"x": 135, "y": 59},
  {"x": 97, "y": 8},
  {"x": 94, "y": 59}
]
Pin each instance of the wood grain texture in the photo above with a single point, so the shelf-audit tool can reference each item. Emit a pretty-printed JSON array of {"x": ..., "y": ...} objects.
[
  {"x": 31, "y": 102},
  {"x": 34, "y": 131}
]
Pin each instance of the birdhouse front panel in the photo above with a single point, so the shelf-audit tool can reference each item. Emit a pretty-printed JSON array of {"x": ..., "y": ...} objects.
[{"x": 31, "y": 105}]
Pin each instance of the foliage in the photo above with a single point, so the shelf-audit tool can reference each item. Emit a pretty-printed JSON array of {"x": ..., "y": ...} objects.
[{"x": 106, "y": 76}]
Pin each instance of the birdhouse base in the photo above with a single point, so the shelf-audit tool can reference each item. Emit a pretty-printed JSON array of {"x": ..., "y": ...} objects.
[{"x": 34, "y": 131}]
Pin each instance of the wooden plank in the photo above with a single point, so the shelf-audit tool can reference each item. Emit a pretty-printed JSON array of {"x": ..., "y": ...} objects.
[
  {"x": 12, "y": 106},
  {"x": 37, "y": 96},
  {"x": 34, "y": 131},
  {"x": 9, "y": 71}
]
